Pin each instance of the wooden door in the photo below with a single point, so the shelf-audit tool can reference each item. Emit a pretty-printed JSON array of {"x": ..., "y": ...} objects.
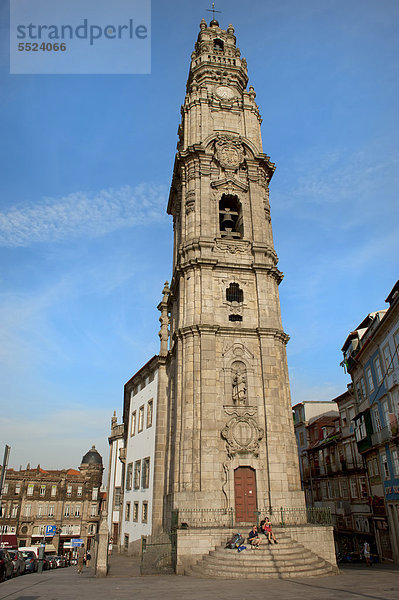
[{"x": 245, "y": 494}]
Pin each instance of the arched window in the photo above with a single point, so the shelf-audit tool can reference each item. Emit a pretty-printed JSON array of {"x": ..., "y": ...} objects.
[
  {"x": 230, "y": 217},
  {"x": 218, "y": 45},
  {"x": 234, "y": 293}
]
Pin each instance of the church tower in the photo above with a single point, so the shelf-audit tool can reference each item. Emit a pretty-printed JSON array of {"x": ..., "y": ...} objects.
[{"x": 225, "y": 436}]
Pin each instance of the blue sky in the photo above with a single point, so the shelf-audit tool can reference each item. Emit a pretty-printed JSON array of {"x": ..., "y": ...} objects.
[{"x": 85, "y": 242}]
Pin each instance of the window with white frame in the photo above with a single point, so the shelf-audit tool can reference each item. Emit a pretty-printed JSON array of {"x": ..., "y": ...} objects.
[
  {"x": 117, "y": 497},
  {"x": 17, "y": 489},
  {"x": 80, "y": 491},
  {"x": 378, "y": 370},
  {"x": 129, "y": 476},
  {"x": 363, "y": 487},
  {"x": 94, "y": 494},
  {"x": 386, "y": 352},
  {"x": 14, "y": 510},
  {"x": 395, "y": 461},
  {"x": 41, "y": 510},
  {"x": 67, "y": 510},
  {"x": 376, "y": 417},
  {"x": 385, "y": 468},
  {"x": 5, "y": 489},
  {"x": 150, "y": 406},
  {"x": 370, "y": 382},
  {"x": 386, "y": 409},
  {"x": 145, "y": 473},
  {"x": 145, "y": 512},
  {"x": 69, "y": 491},
  {"x": 137, "y": 472},
  {"x": 51, "y": 510},
  {"x": 360, "y": 428},
  {"x": 353, "y": 483},
  {"x": 30, "y": 489},
  {"x": 77, "y": 510},
  {"x": 53, "y": 490},
  {"x": 344, "y": 488},
  {"x": 92, "y": 529},
  {"x": 93, "y": 510},
  {"x": 42, "y": 490},
  {"x": 133, "y": 423},
  {"x": 28, "y": 510},
  {"x": 141, "y": 419}
]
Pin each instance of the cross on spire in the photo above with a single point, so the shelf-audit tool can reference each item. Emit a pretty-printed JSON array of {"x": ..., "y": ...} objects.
[{"x": 213, "y": 10}]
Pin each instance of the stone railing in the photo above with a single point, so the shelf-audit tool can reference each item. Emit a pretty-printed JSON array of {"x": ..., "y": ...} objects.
[{"x": 280, "y": 516}]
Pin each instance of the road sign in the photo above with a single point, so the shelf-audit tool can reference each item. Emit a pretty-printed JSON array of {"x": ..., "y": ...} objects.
[
  {"x": 77, "y": 542},
  {"x": 50, "y": 530}
]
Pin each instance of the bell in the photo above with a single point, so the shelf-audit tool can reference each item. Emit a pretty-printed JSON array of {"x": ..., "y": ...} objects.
[{"x": 227, "y": 221}]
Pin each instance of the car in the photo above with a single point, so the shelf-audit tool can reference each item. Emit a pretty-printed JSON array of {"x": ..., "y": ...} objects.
[
  {"x": 6, "y": 565},
  {"x": 30, "y": 561},
  {"x": 18, "y": 562},
  {"x": 60, "y": 561},
  {"x": 52, "y": 563}
]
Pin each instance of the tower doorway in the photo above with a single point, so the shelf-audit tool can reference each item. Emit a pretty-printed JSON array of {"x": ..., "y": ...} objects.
[{"x": 245, "y": 494}]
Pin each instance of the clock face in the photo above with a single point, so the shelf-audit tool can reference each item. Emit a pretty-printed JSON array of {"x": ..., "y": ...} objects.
[{"x": 225, "y": 93}]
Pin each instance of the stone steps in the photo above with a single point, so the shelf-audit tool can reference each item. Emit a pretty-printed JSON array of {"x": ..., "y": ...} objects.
[{"x": 285, "y": 559}]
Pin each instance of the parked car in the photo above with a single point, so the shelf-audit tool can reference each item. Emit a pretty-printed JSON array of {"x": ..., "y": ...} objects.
[
  {"x": 60, "y": 561},
  {"x": 18, "y": 562},
  {"x": 52, "y": 563},
  {"x": 6, "y": 565},
  {"x": 30, "y": 561}
]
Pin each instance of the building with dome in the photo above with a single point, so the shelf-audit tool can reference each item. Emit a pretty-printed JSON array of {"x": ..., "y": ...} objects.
[{"x": 52, "y": 506}]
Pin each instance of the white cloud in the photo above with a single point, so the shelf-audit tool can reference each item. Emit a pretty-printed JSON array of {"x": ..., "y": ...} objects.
[{"x": 82, "y": 214}]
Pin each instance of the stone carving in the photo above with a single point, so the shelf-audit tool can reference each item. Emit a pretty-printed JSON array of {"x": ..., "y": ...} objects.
[
  {"x": 229, "y": 152},
  {"x": 239, "y": 392},
  {"x": 190, "y": 202},
  {"x": 233, "y": 247},
  {"x": 242, "y": 435}
]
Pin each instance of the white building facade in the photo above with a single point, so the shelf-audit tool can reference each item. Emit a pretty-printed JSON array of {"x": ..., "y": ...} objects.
[{"x": 140, "y": 400}]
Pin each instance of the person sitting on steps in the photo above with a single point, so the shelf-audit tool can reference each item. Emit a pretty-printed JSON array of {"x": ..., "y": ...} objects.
[
  {"x": 268, "y": 530},
  {"x": 253, "y": 537}
]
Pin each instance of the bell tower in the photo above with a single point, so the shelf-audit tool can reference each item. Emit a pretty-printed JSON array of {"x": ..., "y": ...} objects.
[{"x": 225, "y": 435}]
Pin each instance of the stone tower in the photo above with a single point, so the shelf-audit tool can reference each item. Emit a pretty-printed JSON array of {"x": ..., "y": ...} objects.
[{"x": 225, "y": 436}]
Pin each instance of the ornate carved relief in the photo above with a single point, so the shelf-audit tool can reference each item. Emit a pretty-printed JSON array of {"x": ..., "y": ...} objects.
[
  {"x": 233, "y": 247},
  {"x": 190, "y": 202},
  {"x": 229, "y": 152},
  {"x": 242, "y": 435}
]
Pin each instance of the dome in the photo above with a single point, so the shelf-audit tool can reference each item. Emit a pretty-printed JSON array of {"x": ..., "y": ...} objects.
[{"x": 92, "y": 457}]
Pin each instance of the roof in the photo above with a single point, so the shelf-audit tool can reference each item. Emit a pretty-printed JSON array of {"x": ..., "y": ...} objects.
[{"x": 92, "y": 457}]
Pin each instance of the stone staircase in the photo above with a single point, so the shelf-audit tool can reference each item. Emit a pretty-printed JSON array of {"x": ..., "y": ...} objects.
[{"x": 286, "y": 559}]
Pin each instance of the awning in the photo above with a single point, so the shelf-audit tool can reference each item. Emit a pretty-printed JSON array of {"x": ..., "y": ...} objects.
[{"x": 8, "y": 541}]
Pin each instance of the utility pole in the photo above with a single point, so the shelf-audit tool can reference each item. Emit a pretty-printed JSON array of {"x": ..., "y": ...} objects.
[{"x": 2, "y": 478}]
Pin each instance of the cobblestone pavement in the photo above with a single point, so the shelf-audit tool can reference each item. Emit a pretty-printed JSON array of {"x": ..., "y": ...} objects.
[{"x": 381, "y": 582}]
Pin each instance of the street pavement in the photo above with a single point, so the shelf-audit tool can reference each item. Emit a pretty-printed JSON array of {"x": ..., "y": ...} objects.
[{"x": 381, "y": 582}]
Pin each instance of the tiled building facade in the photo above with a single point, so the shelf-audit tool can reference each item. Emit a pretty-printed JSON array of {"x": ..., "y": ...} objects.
[{"x": 371, "y": 358}]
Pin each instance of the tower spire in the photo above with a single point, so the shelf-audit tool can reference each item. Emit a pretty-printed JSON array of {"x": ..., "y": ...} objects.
[{"x": 213, "y": 11}]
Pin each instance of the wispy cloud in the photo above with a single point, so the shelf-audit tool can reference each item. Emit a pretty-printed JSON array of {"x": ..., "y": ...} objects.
[{"x": 82, "y": 214}]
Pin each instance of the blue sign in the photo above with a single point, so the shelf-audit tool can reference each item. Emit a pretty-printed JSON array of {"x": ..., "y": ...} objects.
[
  {"x": 77, "y": 542},
  {"x": 51, "y": 530}
]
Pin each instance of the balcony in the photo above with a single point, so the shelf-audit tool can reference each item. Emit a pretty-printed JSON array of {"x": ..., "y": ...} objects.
[{"x": 387, "y": 433}]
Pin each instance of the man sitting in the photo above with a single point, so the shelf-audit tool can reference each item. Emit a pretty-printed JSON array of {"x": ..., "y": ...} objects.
[{"x": 253, "y": 537}]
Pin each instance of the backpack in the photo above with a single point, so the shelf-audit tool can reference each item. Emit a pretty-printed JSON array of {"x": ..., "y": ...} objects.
[{"x": 235, "y": 541}]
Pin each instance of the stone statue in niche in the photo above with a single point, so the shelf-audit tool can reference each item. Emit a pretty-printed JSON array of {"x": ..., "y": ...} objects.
[{"x": 239, "y": 382}]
